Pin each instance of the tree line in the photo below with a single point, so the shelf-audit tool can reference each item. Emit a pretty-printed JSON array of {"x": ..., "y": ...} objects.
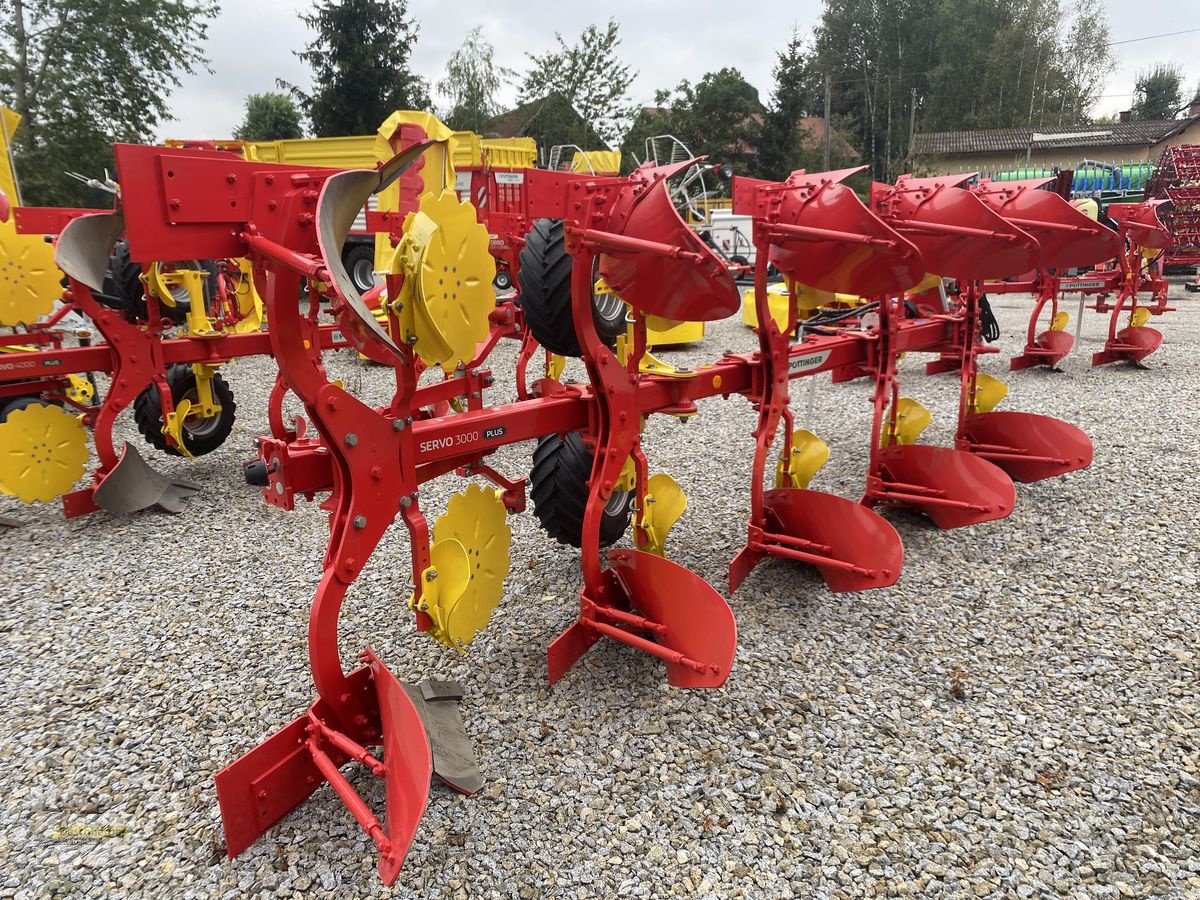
[{"x": 84, "y": 73}]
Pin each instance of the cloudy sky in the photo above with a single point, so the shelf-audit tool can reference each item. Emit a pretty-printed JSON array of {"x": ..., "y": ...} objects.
[{"x": 251, "y": 44}]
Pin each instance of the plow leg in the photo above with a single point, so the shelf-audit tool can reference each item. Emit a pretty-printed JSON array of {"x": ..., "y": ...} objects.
[{"x": 641, "y": 599}]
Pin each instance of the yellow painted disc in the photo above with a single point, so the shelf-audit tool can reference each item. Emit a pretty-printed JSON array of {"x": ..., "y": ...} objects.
[
  {"x": 477, "y": 519},
  {"x": 454, "y": 295},
  {"x": 29, "y": 279},
  {"x": 43, "y": 452}
]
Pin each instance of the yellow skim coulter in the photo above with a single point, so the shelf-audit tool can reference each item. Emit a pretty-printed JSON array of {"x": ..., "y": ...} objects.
[
  {"x": 27, "y": 269},
  {"x": 43, "y": 451},
  {"x": 1139, "y": 317},
  {"x": 911, "y": 419},
  {"x": 469, "y": 562},
  {"x": 989, "y": 392},
  {"x": 665, "y": 503},
  {"x": 1060, "y": 321},
  {"x": 796, "y": 468},
  {"x": 447, "y": 296},
  {"x": 173, "y": 286}
]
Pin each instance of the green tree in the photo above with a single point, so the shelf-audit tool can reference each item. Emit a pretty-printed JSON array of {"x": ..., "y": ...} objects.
[
  {"x": 269, "y": 117},
  {"x": 1158, "y": 92},
  {"x": 785, "y": 147},
  {"x": 86, "y": 73},
  {"x": 590, "y": 76},
  {"x": 360, "y": 66},
  {"x": 471, "y": 82},
  {"x": 945, "y": 65},
  {"x": 719, "y": 117}
]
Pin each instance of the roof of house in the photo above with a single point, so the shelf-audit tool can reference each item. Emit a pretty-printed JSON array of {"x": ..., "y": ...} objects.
[
  {"x": 811, "y": 128},
  {"x": 522, "y": 121},
  {"x": 1004, "y": 140}
]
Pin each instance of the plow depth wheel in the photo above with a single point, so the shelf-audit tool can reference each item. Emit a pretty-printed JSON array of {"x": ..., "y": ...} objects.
[
  {"x": 545, "y": 295},
  {"x": 562, "y": 467},
  {"x": 202, "y": 435}
]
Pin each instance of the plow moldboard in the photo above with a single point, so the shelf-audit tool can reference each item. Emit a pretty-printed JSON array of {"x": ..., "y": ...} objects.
[
  {"x": 954, "y": 488},
  {"x": 853, "y": 533},
  {"x": 699, "y": 623},
  {"x": 1028, "y": 446}
]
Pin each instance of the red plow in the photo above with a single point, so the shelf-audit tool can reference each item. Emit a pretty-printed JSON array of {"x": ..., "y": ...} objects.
[
  {"x": 1084, "y": 257},
  {"x": 592, "y": 238}
]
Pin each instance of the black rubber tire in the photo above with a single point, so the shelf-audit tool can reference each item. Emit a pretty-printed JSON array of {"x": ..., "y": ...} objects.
[
  {"x": 545, "y": 295},
  {"x": 181, "y": 380},
  {"x": 124, "y": 284},
  {"x": 12, "y": 404},
  {"x": 503, "y": 280},
  {"x": 359, "y": 260},
  {"x": 127, "y": 287},
  {"x": 562, "y": 468},
  {"x": 738, "y": 260}
]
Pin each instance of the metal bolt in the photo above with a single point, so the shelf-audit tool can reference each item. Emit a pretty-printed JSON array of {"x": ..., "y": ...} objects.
[
  {"x": 405, "y": 502},
  {"x": 351, "y": 439},
  {"x": 431, "y": 575},
  {"x": 397, "y": 424},
  {"x": 360, "y": 521},
  {"x": 410, "y": 339}
]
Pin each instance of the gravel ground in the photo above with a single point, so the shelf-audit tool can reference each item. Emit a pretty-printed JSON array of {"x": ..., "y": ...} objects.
[{"x": 1017, "y": 717}]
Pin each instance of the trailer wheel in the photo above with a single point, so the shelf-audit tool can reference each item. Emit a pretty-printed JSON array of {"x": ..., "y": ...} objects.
[
  {"x": 545, "y": 295},
  {"x": 201, "y": 436},
  {"x": 360, "y": 263},
  {"x": 130, "y": 293},
  {"x": 562, "y": 468},
  {"x": 503, "y": 280},
  {"x": 12, "y": 404}
]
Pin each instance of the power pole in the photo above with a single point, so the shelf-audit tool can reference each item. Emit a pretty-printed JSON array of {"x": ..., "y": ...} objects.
[
  {"x": 828, "y": 103},
  {"x": 912, "y": 122}
]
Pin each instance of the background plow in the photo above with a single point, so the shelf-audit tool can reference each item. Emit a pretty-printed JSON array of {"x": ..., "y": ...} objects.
[{"x": 1122, "y": 263}]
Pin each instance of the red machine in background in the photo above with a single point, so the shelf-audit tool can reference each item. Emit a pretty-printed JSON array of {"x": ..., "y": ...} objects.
[{"x": 1176, "y": 181}]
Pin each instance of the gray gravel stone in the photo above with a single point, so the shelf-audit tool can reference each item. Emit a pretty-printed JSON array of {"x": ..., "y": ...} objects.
[{"x": 143, "y": 654}]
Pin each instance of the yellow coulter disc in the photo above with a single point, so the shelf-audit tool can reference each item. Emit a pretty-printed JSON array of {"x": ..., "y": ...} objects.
[
  {"x": 809, "y": 453},
  {"x": 43, "y": 451},
  {"x": 665, "y": 503},
  {"x": 476, "y": 520},
  {"x": 29, "y": 279},
  {"x": 449, "y": 279}
]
